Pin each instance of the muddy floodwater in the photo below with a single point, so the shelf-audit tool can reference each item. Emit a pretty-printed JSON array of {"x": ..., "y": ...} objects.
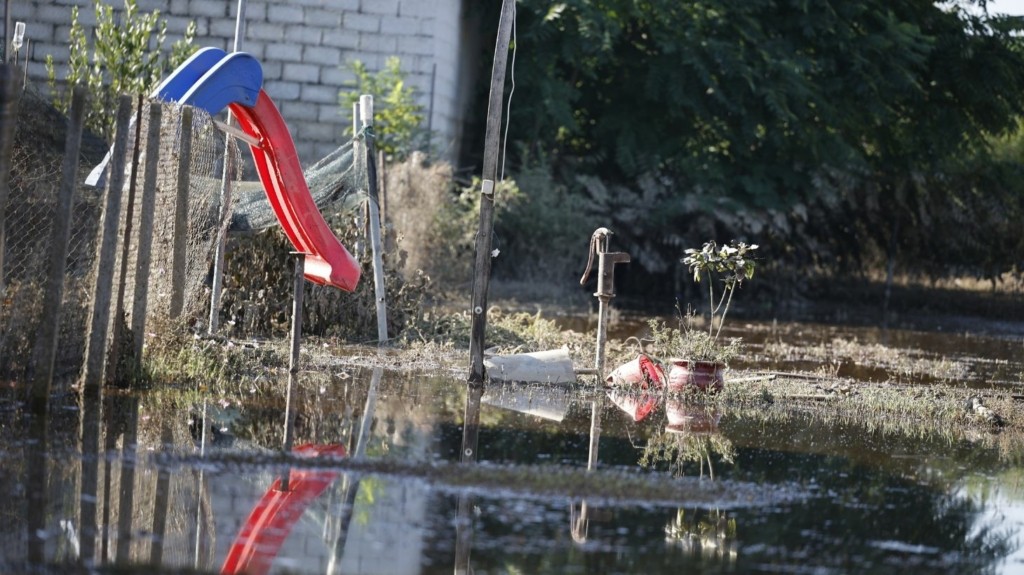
[{"x": 393, "y": 471}]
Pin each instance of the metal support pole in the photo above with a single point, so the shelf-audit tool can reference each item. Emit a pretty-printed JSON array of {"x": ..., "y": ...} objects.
[
  {"x": 380, "y": 295},
  {"x": 225, "y": 196},
  {"x": 299, "y": 283}
]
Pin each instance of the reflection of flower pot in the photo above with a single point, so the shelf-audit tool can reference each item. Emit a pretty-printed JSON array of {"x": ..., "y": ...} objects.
[
  {"x": 687, "y": 375},
  {"x": 684, "y": 418},
  {"x": 637, "y": 405},
  {"x": 642, "y": 372}
]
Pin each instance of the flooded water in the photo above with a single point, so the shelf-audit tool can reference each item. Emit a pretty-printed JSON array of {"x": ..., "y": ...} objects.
[{"x": 398, "y": 472}]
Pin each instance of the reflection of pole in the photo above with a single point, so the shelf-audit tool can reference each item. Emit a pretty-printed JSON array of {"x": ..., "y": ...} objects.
[
  {"x": 368, "y": 414},
  {"x": 350, "y": 487},
  {"x": 199, "y": 491},
  {"x": 127, "y": 481},
  {"x": 36, "y": 487},
  {"x": 163, "y": 484},
  {"x": 580, "y": 523},
  {"x": 492, "y": 137},
  {"x": 470, "y": 445},
  {"x": 471, "y": 423},
  {"x": 299, "y": 283},
  {"x": 90, "y": 447}
]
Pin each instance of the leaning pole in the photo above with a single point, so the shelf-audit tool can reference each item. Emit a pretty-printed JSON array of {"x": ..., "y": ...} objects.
[{"x": 492, "y": 138}]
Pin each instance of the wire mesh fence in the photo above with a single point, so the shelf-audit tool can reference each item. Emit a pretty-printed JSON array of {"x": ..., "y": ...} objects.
[
  {"x": 35, "y": 174},
  {"x": 255, "y": 286}
]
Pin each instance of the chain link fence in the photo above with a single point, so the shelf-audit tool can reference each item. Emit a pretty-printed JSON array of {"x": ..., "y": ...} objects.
[{"x": 36, "y": 157}]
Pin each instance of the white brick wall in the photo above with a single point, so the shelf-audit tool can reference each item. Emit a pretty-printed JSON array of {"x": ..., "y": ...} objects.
[{"x": 305, "y": 47}]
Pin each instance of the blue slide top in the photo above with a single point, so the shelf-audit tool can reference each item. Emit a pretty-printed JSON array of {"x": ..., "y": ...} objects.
[
  {"x": 188, "y": 73},
  {"x": 211, "y": 79}
]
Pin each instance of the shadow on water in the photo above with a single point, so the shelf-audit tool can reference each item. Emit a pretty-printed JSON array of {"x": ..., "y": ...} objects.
[{"x": 375, "y": 471}]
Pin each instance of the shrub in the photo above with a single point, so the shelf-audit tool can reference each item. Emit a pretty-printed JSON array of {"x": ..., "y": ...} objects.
[
  {"x": 397, "y": 116},
  {"x": 125, "y": 59}
]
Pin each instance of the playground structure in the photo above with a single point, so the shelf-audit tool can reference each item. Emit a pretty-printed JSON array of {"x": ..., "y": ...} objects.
[
  {"x": 213, "y": 80},
  {"x": 184, "y": 163}
]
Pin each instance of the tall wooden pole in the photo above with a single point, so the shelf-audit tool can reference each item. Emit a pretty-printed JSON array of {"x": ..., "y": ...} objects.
[
  {"x": 492, "y": 140},
  {"x": 49, "y": 328}
]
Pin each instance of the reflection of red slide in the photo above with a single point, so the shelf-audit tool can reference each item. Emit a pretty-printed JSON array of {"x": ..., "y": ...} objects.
[{"x": 272, "y": 519}]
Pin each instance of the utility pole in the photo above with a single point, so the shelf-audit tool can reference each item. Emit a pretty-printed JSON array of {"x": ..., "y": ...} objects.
[{"x": 492, "y": 140}]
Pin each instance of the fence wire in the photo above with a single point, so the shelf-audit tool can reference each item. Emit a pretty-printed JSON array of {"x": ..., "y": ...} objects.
[{"x": 35, "y": 176}]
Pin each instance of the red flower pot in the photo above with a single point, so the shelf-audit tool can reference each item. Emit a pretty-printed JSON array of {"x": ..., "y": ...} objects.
[{"x": 687, "y": 375}]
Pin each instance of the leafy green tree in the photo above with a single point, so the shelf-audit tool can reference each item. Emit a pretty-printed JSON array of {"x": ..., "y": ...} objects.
[
  {"x": 840, "y": 131},
  {"x": 127, "y": 57},
  {"x": 397, "y": 116}
]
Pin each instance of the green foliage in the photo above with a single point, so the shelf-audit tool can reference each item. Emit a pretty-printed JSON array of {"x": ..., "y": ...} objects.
[
  {"x": 544, "y": 229},
  {"x": 689, "y": 342},
  {"x": 674, "y": 450},
  {"x": 540, "y": 228},
  {"x": 731, "y": 264},
  {"x": 397, "y": 116},
  {"x": 843, "y": 131},
  {"x": 127, "y": 58}
]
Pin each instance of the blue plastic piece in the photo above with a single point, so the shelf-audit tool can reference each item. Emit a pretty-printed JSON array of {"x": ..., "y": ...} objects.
[
  {"x": 188, "y": 73},
  {"x": 236, "y": 79}
]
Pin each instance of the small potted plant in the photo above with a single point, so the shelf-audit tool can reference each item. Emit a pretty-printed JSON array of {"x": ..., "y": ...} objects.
[{"x": 700, "y": 360}]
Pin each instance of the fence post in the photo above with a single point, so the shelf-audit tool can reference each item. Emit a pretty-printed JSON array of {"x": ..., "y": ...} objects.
[
  {"x": 298, "y": 292},
  {"x": 181, "y": 214},
  {"x": 10, "y": 94},
  {"x": 49, "y": 326},
  {"x": 122, "y": 278},
  {"x": 100, "y": 319},
  {"x": 144, "y": 259},
  {"x": 492, "y": 136},
  {"x": 379, "y": 293}
]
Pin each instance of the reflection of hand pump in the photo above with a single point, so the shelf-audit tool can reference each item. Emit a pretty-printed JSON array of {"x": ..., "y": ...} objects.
[
  {"x": 18, "y": 39},
  {"x": 605, "y": 286}
]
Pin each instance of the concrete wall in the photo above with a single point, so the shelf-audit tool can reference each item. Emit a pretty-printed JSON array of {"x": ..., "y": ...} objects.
[{"x": 305, "y": 47}]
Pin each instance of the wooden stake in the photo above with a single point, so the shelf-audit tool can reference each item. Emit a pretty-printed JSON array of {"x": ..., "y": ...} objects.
[{"x": 492, "y": 137}]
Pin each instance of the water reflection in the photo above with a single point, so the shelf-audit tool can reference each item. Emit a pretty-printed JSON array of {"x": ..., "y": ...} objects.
[{"x": 132, "y": 484}]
